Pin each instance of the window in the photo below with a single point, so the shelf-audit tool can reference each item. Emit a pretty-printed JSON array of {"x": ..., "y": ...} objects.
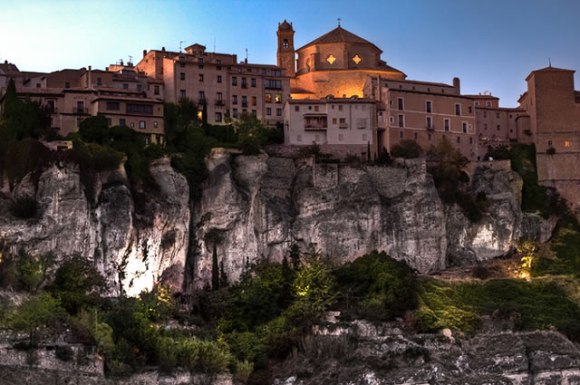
[
  {"x": 268, "y": 98},
  {"x": 218, "y": 65},
  {"x": 182, "y": 94},
  {"x": 401, "y": 120},
  {"x": 219, "y": 78},
  {"x": 485, "y": 126},
  {"x": 155, "y": 124},
  {"x": 497, "y": 115},
  {"x": 330, "y": 59},
  {"x": 285, "y": 43},
  {"x": 297, "y": 108},
  {"x": 340, "y": 107},
  {"x": 141, "y": 109},
  {"x": 254, "y": 113},
  {"x": 66, "y": 85},
  {"x": 429, "y": 122},
  {"x": 220, "y": 96},
  {"x": 99, "y": 81},
  {"x": 269, "y": 111},
  {"x": 156, "y": 90},
  {"x": 132, "y": 124},
  {"x": 50, "y": 106},
  {"x": 80, "y": 107},
  {"x": 122, "y": 122},
  {"x": 469, "y": 109},
  {"x": 485, "y": 114},
  {"x": 299, "y": 138},
  {"x": 113, "y": 106},
  {"x": 428, "y": 106},
  {"x": 182, "y": 75},
  {"x": 361, "y": 123},
  {"x": 235, "y": 112},
  {"x": 253, "y": 82},
  {"x": 234, "y": 81},
  {"x": 567, "y": 144},
  {"x": 498, "y": 127},
  {"x": 488, "y": 104},
  {"x": 316, "y": 108},
  {"x": 415, "y": 136},
  {"x": 458, "y": 109},
  {"x": 218, "y": 116},
  {"x": 340, "y": 137},
  {"x": 273, "y": 84},
  {"x": 278, "y": 112},
  {"x": 458, "y": 139},
  {"x": 334, "y": 120},
  {"x": 202, "y": 97},
  {"x": 200, "y": 62},
  {"x": 342, "y": 123},
  {"x": 470, "y": 140},
  {"x": 244, "y": 101},
  {"x": 125, "y": 86},
  {"x": 278, "y": 98},
  {"x": 464, "y": 127},
  {"x": 234, "y": 99},
  {"x": 400, "y": 104},
  {"x": 447, "y": 124},
  {"x": 254, "y": 101},
  {"x": 244, "y": 83},
  {"x": 401, "y": 135},
  {"x": 142, "y": 124},
  {"x": 200, "y": 76}
]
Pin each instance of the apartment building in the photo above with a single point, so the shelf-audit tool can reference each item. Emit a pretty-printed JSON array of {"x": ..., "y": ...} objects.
[
  {"x": 342, "y": 126},
  {"x": 120, "y": 93},
  {"x": 218, "y": 84}
]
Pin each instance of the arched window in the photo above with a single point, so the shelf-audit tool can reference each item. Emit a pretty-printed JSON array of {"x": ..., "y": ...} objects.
[{"x": 285, "y": 43}]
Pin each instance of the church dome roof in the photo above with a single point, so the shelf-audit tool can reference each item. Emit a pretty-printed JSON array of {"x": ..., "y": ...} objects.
[
  {"x": 340, "y": 35},
  {"x": 284, "y": 26}
]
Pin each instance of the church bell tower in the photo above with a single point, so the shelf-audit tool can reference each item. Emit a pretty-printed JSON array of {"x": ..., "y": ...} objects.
[{"x": 285, "y": 53}]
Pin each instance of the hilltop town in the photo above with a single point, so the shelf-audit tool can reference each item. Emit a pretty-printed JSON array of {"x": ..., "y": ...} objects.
[{"x": 335, "y": 91}]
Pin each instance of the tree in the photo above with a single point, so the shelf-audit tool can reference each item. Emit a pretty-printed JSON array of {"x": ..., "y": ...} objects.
[
  {"x": 407, "y": 148},
  {"x": 446, "y": 166},
  {"x": 77, "y": 284},
  {"x": 252, "y": 134},
  {"x": 31, "y": 270},
  {"x": 38, "y": 313}
]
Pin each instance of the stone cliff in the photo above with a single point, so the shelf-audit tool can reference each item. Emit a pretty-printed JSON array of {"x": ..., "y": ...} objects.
[
  {"x": 254, "y": 207},
  {"x": 132, "y": 248},
  {"x": 257, "y": 206}
]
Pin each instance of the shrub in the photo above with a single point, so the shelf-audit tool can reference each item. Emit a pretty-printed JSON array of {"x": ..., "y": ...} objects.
[
  {"x": 407, "y": 148},
  {"x": 377, "y": 287},
  {"x": 37, "y": 314}
]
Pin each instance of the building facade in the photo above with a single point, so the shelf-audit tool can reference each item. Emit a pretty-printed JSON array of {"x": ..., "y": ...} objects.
[
  {"x": 218, "y": 84},
  {"x": 342, "y": 126}
]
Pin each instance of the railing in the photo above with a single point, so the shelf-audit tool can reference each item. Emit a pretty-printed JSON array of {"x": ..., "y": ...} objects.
[
  {"x": 220, "y": 103},
  {"x": 79, "y": 110},
  {"x": 342, "y": 125},
  {"x": 315, "y": 127}
]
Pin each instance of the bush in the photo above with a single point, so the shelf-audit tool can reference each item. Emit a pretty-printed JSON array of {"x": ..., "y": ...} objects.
[
  {"x": 407, "y": 148},
  {"x": 37, "y": 314},
  {"x": 377, "y": 287}
]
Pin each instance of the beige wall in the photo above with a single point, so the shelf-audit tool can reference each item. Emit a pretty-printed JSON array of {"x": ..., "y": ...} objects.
[{"x": 334, "y": 122}]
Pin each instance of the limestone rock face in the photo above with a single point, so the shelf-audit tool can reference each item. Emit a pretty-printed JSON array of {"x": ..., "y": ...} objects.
[
  {"x": 371, "y": 355},
  {"x": 134, "y": 250},
  {"x": 255, "y": 207}
]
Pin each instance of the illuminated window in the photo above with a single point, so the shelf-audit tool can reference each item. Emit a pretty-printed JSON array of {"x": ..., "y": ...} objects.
[
  {"x": 357, "y": 59},
  {"x": 155, "y": 124},
  {"x": 142, "y": 124},
  {"x": 330, "y": 59},
  {"x": 254, "y": 101},
  {"x": 268, "y": 98},
  {"x": 278, "y": 98},
  {"x": 567, "y": 144}
]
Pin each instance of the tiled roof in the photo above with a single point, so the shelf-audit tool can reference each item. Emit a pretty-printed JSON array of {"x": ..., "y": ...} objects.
[{"x": 340, "y": 35}]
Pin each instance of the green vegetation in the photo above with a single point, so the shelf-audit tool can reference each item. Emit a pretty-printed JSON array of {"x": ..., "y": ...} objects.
[
  {"x": 377, "y": 287},
  {"x": 408, "y": 149}
]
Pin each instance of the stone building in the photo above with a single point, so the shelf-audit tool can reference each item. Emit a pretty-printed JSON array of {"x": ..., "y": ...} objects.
[
  {"x": 342, "y": 126},
  {"x": 226, "y": 88},
  {"x": 120, "y": 94},
  {"x": 553, "y": 107}
]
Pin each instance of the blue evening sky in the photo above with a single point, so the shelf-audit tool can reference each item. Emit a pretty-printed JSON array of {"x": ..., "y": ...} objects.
[{"x": 492, "y": 45}]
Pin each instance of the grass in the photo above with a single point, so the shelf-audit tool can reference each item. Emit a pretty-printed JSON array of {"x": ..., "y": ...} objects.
[{"x": 539, "y": 304}]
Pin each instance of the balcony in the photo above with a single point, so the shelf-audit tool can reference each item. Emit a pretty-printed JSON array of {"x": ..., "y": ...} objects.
[
  {"x": 220, "y": 103},
  {"x": 342, "y": 125},
  {"x": 315, "y": 127},
  {"x": 80, "y": 110}
]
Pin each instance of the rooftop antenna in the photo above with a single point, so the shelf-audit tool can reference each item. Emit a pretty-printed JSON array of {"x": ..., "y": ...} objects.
[
  {"x": 130, "y": 59},
  {"x": 214, "y": 44},
  {"x": 338, "y": 21},
  {"x": 246, "y": 56},
  {"x": 550, "y": 62},
  {"x": 180, "y": 43}
]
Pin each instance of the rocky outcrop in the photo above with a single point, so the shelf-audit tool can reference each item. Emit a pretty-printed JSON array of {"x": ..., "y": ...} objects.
[
  {"x": 257, "y": 206},
  {"x": 133, "y": 248},
  {"x": 364, "y": 354}
]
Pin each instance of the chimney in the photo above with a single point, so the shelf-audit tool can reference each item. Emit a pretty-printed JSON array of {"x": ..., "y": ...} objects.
[
  {"x": 457, "y": 85},
  {"x": 144, "y": 52},
  {"x": 89, "y": 78},
  {"x": 162, "y": 49}
]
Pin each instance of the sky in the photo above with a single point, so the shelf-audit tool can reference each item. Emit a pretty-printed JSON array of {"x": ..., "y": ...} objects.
[{"x": 492, "y": 45}]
